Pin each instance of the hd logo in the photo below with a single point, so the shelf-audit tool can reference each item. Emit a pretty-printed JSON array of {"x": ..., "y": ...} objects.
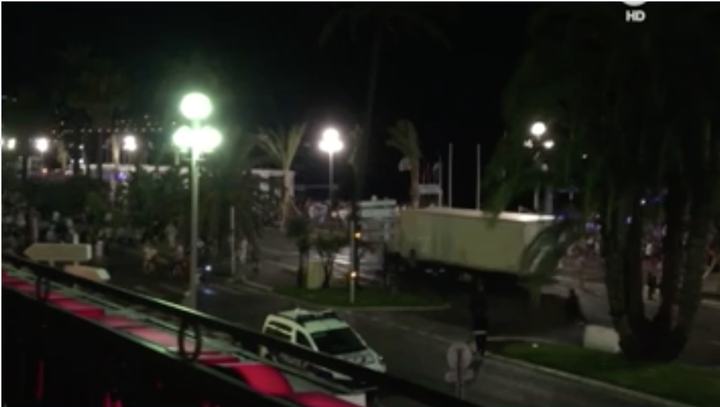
[{"x": 634, "y": 15}]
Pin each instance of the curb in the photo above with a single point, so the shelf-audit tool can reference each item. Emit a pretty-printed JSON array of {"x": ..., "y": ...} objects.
[
  {"x": 583, "y": 380},
  {"x": 501, "y": 338},
  {"x": 271, "y": 291},
  {"x": 711, "y": 304}
]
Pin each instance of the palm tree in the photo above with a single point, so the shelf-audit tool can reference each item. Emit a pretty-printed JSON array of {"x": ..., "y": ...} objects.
[
  {"x": 631, "y": 115},
  {"x": 387, "y": 21},
  {"x": 71, "y": 136},
  {"x": 404, "y": 138},
  {"x": 227, "y": 181},
  {"x": 328, "y": 244},
  {"x": 23, "y": 119},
  {"x": 75, "y": 57},
  {"x": 98, "y": 88},
  {"x": 153, "y": 200},
  {"x": 281, "y": 146},
  {"x": 299, "y": 229}
]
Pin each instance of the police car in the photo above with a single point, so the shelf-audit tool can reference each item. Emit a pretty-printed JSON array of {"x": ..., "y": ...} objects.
[{"x": 322, "y": 332}]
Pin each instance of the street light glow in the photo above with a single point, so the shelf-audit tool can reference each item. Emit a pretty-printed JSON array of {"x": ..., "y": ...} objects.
[
  {"x": 129, "y": 143},
  {"x": 330, "y": 134},
  {"x": 538, "y": 129},
  {"x": 196, "y": 106},
  {"x": 548, "y": 144},
  {"x": 183, "y": 137},
  {"x": 330, "y": 142},
  {"x": 9, "y": 144},
  {"x": 204, "y": 139},
  {"x": 208, "y": 139},
  {"x": 42, "y": 144}
]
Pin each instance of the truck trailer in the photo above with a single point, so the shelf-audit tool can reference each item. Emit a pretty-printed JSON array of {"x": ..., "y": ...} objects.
[{"x": 467, "y": 239}]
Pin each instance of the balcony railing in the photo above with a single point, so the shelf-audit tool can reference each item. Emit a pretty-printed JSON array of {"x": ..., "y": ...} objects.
[{"x": 73, "y": 342}]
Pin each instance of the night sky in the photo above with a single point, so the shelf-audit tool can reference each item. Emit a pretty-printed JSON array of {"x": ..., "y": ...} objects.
[{"x": 283, "y": 75}]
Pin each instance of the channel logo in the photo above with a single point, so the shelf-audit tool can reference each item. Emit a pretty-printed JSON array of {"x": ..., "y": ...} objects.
[{"x": 634, "y": 3}]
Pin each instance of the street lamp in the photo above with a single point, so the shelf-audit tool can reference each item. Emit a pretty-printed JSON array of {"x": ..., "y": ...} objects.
[
  {"x": 538, "y": 129},
  {"x": 196, "y": 106},
  {"x": 42, "y": 144},
  {"x": 331, "y": 144},
  {"x": 197, "y": 139},
  {"x": 129, "y": 143},
  {"x": 9, "y": 144},
  {"x": 129, "y": 146}
]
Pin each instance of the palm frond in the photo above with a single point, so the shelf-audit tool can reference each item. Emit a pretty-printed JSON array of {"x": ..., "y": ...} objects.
[
  {"x": 540, "y": 259},
  {"x": 404, "y": 138},
  {"x": 281, "y": 144}
]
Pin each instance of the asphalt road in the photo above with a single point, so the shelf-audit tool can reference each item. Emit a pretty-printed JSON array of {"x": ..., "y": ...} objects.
[
  {"x": 410, "y": 349},
  {"x": 508, "y": 312}
]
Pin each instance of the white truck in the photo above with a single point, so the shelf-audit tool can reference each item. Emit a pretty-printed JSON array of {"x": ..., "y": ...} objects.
[{"x": 467, "y": 239}]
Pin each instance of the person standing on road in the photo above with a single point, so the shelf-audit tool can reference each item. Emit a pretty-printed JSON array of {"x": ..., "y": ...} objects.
[
  {"x": 478, "y": 311},
  {"x": 480, "y": 333}
]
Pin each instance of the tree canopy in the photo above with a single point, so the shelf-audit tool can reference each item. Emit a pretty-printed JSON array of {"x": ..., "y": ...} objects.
[{"x": 632, "y": 110}]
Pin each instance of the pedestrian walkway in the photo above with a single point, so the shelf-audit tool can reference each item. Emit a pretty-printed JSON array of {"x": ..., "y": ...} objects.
[{"x": 598, "y": 289}]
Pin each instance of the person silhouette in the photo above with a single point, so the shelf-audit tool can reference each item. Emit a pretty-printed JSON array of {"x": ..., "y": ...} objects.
[{"x": 480, "y": 322}]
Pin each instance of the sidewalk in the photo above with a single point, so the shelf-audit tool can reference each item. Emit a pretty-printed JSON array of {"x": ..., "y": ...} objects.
[{"x": 598, "y": 289}]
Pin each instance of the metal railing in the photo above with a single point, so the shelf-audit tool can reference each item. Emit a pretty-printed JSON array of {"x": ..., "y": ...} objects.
[
  {"x": 54, "y": 358},
  {"x": 133, "y": 364}
]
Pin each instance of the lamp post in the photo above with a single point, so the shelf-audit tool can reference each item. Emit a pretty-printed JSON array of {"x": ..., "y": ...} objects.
[
  {"x": 42, "y": 145},
  {"x": 197, "y": 139},
  {"x": 331, "y": 144},
  {"x": 538, "y": 131}
]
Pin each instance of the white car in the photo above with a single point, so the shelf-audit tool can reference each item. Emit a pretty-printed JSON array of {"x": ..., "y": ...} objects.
[{"x": 322, "y": 332}]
